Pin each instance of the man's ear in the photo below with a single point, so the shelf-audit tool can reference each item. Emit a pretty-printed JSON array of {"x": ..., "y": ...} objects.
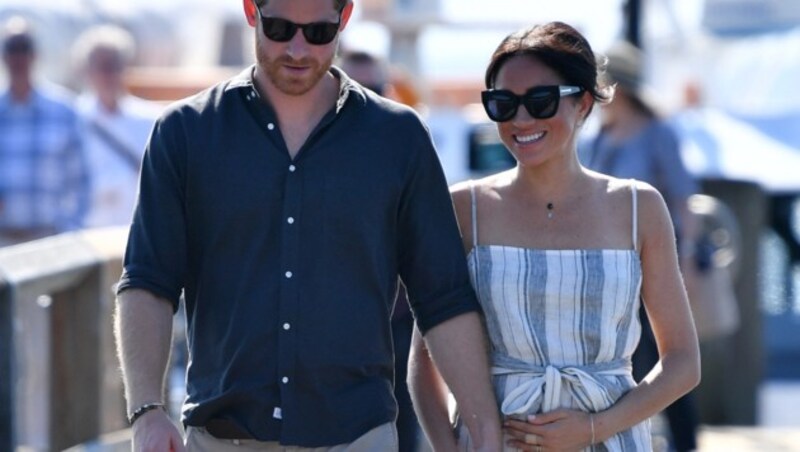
[
  {"x": 250, "y": 12},
  {"x": 346, "y": 12}
]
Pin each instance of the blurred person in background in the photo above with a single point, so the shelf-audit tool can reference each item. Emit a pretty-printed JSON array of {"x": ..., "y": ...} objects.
[
  {"x": 372, "y": 72},
  {"x": 368, "y": 70},
  {"x": 44, "y": 178},
  {"x": 117, "y": 124},
  {"x": 285, "y": 203},
  {"x": 561, "y": 258},
  {"x": 635, "y": 142}
]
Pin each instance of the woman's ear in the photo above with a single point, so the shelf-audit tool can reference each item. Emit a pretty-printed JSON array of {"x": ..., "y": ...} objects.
[
  {"x": 585, "y": 104},
  {"x": 250, "y": 12}
]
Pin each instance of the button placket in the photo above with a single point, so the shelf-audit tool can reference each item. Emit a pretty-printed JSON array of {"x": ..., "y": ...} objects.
[{"x": 289, "y": 294}]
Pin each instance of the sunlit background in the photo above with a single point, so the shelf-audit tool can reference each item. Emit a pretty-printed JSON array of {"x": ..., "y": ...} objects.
[{"x": 724, "y": 69}]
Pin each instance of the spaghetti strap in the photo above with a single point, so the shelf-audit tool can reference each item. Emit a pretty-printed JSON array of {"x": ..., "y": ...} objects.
[
  {"x": 635, "y": 217},
  {"x": 474, "y": 214}
]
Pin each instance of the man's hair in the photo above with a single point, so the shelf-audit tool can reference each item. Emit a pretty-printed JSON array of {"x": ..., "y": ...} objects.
[
  {"x": 106, "y": 37},
  {"x": 16, "y": 31},
  {"x": 337, "y": 4}
]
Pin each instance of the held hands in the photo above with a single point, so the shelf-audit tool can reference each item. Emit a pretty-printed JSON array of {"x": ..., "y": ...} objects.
[
  {"x": 559, "y": 430},
  {"x": 155, "y": 432}
]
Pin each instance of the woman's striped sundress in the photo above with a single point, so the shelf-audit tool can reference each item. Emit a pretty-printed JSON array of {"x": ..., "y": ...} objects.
[{"x": 563, "y": 325}]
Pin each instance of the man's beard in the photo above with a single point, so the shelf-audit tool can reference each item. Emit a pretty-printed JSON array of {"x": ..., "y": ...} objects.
[{"x": 292, "y": 85}]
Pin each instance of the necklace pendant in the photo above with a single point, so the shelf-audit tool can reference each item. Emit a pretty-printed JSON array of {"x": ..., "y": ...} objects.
[
  {"x": 550, "y": 214},
  {"x": 549, "y": 210}
]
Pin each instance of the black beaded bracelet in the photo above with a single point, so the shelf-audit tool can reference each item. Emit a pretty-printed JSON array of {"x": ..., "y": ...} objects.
[{"x": 138, "y": 412}]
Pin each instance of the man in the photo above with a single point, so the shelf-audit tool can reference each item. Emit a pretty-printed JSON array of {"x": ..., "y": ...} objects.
[
  {"x": 44, "y": 182},
  {"x": 284, "y": 203},
  {"x": 117, "y": 124}
]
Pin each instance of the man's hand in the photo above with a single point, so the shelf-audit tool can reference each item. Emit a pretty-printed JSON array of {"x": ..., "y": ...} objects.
[{"x": 155, "y": 432}]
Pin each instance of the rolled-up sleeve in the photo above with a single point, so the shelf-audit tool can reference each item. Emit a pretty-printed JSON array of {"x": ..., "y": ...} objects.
[
  {"x": 156, "y": 254},
  {"x": 433, "y": 265}
]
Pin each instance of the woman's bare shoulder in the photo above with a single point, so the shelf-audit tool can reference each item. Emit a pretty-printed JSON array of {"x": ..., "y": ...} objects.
[
  {"x": 617, "y": 187},
  {"x": 481, "y": 187}
]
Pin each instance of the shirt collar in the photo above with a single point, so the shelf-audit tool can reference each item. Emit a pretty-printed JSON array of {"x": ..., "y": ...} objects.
[
  {"x": 348, "y": 89},
  {"x": 6, "y": 101}
]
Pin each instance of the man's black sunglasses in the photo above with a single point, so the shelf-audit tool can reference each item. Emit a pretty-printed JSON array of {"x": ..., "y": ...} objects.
[
  {"x": 541, "y": 101},
  {"x": 282, "y": 30}
]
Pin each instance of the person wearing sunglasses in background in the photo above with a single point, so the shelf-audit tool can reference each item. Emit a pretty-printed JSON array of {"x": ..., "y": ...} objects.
[
  {"x": 559, "y": 256},
  {"x": 284, "y": 203},
  {"x": 367, "y": 69}
]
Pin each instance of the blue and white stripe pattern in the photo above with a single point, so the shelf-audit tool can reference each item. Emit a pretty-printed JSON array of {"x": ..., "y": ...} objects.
[{"x": 563, "y": 325}]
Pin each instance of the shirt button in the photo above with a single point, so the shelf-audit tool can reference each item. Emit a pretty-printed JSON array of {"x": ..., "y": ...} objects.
[
  {"x": 292, "y": 168},
  {"x": 285, "y": 380},
  {"x": 290, "y": 220},
  {"x": 286, "y": 326},
  {"x": 271, "y": 126},
  {"x": 288, "y": 275}
]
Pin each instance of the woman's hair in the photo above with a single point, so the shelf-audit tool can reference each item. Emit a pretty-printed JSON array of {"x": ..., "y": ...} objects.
[
  {"x": 338, "y": 4},
  {"x": 559, "y": 46}
]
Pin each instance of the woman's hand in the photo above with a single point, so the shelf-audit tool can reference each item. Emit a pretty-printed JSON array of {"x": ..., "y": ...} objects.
[{"x": 559, "y": 430}]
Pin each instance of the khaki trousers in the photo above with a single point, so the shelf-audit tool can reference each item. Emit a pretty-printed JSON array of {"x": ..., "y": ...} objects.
[{"x": 379, "y": 439}]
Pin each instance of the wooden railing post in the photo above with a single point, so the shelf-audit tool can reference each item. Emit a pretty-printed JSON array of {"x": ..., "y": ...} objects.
[
  {"x": 6, "y": 356},
  {"x": 59, "y": 383}
]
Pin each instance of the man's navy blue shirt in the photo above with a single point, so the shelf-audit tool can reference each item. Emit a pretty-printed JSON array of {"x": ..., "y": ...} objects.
[{"x": 290, "y": 266}]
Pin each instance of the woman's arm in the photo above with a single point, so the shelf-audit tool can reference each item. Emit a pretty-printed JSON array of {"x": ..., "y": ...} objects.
[
  {"x": 429, "y": 394},
  {"x": 667, "y": 305}
]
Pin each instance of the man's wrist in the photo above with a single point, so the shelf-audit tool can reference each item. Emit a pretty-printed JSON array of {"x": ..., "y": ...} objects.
[{"x": 142, "y": 409}]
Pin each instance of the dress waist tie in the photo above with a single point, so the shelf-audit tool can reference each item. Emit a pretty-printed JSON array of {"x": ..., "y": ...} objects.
[{"x": 542, "y": 390}]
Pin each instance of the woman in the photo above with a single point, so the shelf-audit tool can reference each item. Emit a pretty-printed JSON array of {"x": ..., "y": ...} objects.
[{"x": 559, "y": 256}]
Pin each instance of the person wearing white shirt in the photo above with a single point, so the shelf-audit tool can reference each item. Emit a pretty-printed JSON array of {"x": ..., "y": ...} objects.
[{"x": 117, "y": 124}]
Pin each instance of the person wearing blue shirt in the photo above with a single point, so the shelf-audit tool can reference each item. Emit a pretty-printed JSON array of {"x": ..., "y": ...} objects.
[
  {"x": 284, "y": 203},
  {"x": 44, "y": 179}
]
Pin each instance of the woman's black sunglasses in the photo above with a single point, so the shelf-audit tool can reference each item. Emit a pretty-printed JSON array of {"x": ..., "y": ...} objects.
[
  {"x": 541, "y": 101},
  {"x": 282, "y": 30}
]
